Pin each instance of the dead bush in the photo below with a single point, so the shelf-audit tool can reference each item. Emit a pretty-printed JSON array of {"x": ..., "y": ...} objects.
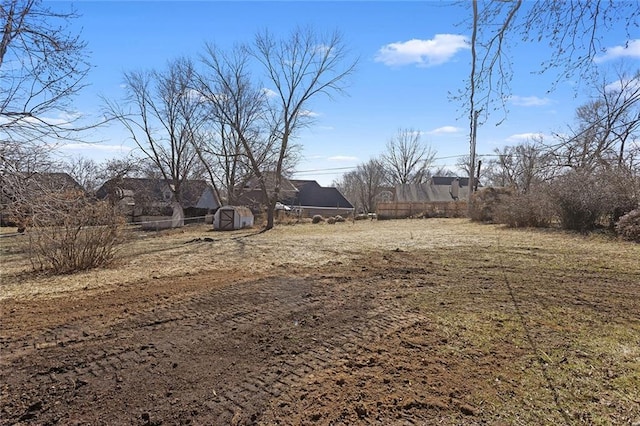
[
  {"x": 317, "y": 219},
  {"x": 586, "y": 200},
  {"x": 331, "y": 220},
  {"x": 533, "y": 209},
  {"x": 628, "y": 227},
  {"x": 72, "y": 233},
  {"x": 486, "y": 203}
]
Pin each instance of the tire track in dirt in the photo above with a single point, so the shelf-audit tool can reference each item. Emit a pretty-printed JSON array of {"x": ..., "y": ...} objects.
[{"x": 228, "y": 351}]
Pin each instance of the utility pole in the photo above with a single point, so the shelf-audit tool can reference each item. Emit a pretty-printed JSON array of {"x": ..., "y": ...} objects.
[{"x": 472, "y": 160}]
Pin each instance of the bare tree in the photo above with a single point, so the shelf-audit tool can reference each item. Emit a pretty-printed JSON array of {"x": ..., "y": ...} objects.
[
  {"x": 607, "y": 129},
  {"x": 42, "y": 65},
  {"x": 363, "y": 185},
  {"x": 164, "y": 116},
  {"x": 444, "y": 171},
  {"x": 407, "y": 158},
  {"x": 463, "y": 163},
  {"x": 523, "y": 166},
  {"x": 19, "y": 187},
  {"x": 238, "y": 145},
  {"x": 299, "y": 68},
  {"x": 227, "y": 167},
  {"x": 85, "y": 171},
  {"x": 350, "y": 185},
  {"x": 115, "y": 168},
  {"x": 572, "y": 29},
  {"x": 481, "y": 170}
]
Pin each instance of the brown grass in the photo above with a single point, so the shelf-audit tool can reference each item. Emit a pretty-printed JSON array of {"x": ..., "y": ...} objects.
[
  {"x": 546, "y": 320},
  {"x": 186, "y": 251}
]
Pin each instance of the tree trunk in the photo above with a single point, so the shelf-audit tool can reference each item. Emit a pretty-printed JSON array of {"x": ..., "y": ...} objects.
[
  {"x": 271, "y": 209},
  {"x": 177, "y": 218}
]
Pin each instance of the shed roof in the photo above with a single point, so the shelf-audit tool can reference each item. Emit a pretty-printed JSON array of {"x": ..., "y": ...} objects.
[{"x": 241, "y": 210}]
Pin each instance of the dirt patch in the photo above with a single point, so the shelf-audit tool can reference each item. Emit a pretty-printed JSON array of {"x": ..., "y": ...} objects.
[{"x": 397, "y": 322}]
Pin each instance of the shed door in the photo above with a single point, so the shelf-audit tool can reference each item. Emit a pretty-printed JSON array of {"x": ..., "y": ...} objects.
[{"x": 226, "y": 220}]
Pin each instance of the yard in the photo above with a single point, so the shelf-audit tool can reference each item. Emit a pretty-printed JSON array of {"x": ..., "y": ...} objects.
[{"x": 432, "y": 321}]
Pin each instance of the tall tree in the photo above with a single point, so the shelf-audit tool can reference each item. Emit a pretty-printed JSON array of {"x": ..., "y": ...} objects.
[
  {"x": 407, "y": 158},
  {"x": 523, "y": 166},
  {"x": 572, "y": 30},
  {"x": 299, "y": 68},
  {"x": 85, "y": 171},
  {"x": 479, "y": 170},
  {"x": 43, "y": 65},
  {"x": 239, "y": 145},
  {"x": 363, "y": 185},
  {"x": 164, "y": 116}
]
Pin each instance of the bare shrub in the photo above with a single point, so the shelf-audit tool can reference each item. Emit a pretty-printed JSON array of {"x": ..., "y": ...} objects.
[
  {"x": 486, "y": 203},
  {"x": 624, "y": 188},
  {"x": 628, "y": 227},
  {"x": 533, "y": 209},
  {"x": 587, "y": 200},
  {"x": 72, "y": 233},
  {"x": 331, "y": 220},
  {"x": 317, "y": 219}
]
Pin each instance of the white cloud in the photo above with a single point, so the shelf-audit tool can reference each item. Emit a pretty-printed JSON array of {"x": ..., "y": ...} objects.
[
  {"x": 444, "y": 130},
  {"x": 62, "y": 120},
  {"x": 342, "y": 158},
  {"x": 630, "y": 50},
  {"x": 269, "y": 93},
  {"x": 528, "y": 101},
  {"x": 307, "y": 113},
  {"x": 524, "y": 137},
  {"x": 323, "y": 49},
  {"x": 629, "y": 85},
  {"x": 436, "y": 51}
]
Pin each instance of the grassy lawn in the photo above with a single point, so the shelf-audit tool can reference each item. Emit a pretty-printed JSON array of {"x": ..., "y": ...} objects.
[{"x": 547, "y": 332}]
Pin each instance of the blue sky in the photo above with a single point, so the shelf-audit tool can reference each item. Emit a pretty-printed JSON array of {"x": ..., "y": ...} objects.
[{"x": 411, "y": 56}]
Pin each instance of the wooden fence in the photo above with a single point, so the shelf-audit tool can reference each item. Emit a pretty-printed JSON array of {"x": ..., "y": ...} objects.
[{"x": 403, "y": 210}]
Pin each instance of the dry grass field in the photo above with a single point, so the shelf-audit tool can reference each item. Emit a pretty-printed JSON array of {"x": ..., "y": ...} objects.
[{"x": 372, "y": 322}]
